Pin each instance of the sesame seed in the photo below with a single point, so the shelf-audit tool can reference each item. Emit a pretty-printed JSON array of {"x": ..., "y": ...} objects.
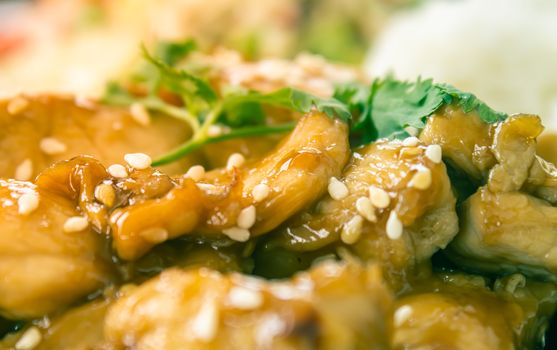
[
  {"x": 205, "y": 323},
  {"x": 27, "y": 203},
  {"x": 140, "y": 114},
  {"x": 24, "y": 170},
  {"x": 434, "y": 153},
  {"x": 154, "y": 234},
  {"x": 246, "y": 218},
  {"x": 117, "y": 170},
  {"x": 29, "y": 340},
  {"x": 138, "y": 160},
  {"x": 394, "y": 226},
  {"x": 237, "y": 234},
  {"x": 52, "y": 146},
  {"x": 337, "y": 189},
  {"x": 411, "y": 141},
  {"x": 105, "y": 194},
  {"x": 260, "y": 192},
  {"x": 352, "y": 230},
  {"x": 207, "y": 187},
  {"x": 76, "y": 224},
  {"x": 401, "y": 315},
  {"x": 244, "y": 298},
  {"x": 196, "y": 172},
  {"x": 379, "y": 197},
  {"x": 366, "y": 209},
  {"x": 235, "y": 160},
  {"x": 17, "y": 105},
  {"x": 215, "y": 130},
  {"x": 421, "y": 179}
]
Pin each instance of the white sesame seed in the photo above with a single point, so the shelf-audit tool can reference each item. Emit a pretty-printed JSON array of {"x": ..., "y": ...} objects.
[
  {"x": 29, "y": 340},
  {"x": 196, "y": 172},
  {"x": 154, "y": 234},
  {"x": 246, "y": 218},
  {"x": 337, "y": 189},
  {"x": 140, "y": 114},
  {"x": 379, "y": 197},
  {"x": 365, "y": 208},
  {"x": 237, "y": 234},
  {"x": 421, "y": 179},
  {"x": 76, "y": 224},
  {"x": 260, "y": 192},
  {"x": 394, "y": 226},
  {"x": 17, "y": 105},
  {"x": 205, "y": 323},
  {"x": 215, "y": 130},
  {"x": 244, "y": 298},
  {"x": 105, "y": 194},
  {"x": 434, "y": 153},
  {"x": 117, "y": 170},
  {"x": 24, "y": 170},
  {"x": 27, "y": 203},
  {"x": 235, "y": 160},
  {"x": 401, "y": 315},
  {"x": 352, "y": 230},
  {"x": 411, "y": 141},
  {"x": 138, "y": 160},
  {"x": 52, "y": 146},
  {"x": 207, "y": 187}
]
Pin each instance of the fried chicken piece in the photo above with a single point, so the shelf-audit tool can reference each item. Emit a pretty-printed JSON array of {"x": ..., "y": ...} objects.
[
  {"x": 293, "y": 176},
  {"x": 460, "y": 312},
  {"x": 46, "y": 262},
  {"x": 398, "y": 209},
  {"x": 507, "y": 232},
  {"x": 37, "y": 131},
  {"x": 333, "y": 306}
]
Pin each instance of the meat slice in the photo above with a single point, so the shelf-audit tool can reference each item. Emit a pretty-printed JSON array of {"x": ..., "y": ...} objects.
[
  {"x": 398, "y": 209},
  {"x": 507, "y": 232},
  {"x": 333, "y": 306},
  {"x": 45, "y": 263},
  {"x": 66, "y": 128},
  {"x": 459, "y": 312}
]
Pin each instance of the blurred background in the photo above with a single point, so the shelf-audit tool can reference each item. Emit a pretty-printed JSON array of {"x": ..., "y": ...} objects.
[{"x": 504, "y": 51}]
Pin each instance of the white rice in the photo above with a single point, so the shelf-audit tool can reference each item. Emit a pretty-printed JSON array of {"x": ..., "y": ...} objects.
[{"x": 504, "y": 51}]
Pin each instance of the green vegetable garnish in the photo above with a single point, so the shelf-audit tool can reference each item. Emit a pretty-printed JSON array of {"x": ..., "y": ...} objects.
[
  {"x": 238, "y": 109},
  {"x": 389, "y": 106},
  {"x": 383, "y": 109}
]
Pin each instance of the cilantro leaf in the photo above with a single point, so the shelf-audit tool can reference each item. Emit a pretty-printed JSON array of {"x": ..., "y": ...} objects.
[
  {"x": 172, "y": 52},
  {"x": 291, "y": 99}
]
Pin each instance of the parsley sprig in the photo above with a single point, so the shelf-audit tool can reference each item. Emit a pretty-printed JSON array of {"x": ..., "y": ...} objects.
[
  {"x": 382, "y": 109},
  {"x": 241, "y": 110}
]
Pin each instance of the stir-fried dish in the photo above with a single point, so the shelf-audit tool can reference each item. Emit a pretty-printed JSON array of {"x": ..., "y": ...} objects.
[{"x": 208, "y": 202}]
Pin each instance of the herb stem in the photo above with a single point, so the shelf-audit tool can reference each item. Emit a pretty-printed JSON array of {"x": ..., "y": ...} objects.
[
  {"x": 196, "y": 143},
  {"x": 173, "y": 111}
]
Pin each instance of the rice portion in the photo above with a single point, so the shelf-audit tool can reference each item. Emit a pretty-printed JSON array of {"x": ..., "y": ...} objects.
[{"x": 504, "y": 51}]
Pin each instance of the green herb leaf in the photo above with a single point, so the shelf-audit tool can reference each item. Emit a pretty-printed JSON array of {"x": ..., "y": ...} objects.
[
  {"x": 172, "y": 52},
  {"x": 291, "y": 99},
  {"x": 191, "y": 88}
]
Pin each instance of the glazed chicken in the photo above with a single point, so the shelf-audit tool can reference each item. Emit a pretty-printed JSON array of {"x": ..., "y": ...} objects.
[
  {"x": 399, "y": 209},
  {"x": 453, "y": 311}
]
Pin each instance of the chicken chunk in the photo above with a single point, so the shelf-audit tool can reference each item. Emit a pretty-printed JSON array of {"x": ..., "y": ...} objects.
[
  {"x": 460, "y": 312},
  {"x": 37, "y": 131},
  {"x": 46, "y": 263},
  {"x": 507, "y": 232},
  {"x": 293, "y": 176},
  {"x": 502, "y": 152},
  {"x": 333, "y": 306},
  {"x": 398, "y": 209}
]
